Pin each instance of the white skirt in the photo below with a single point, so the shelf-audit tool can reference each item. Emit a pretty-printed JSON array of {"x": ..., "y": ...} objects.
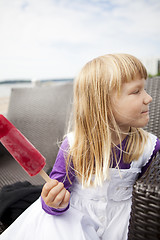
[
  {"x": 36, "y": 224},
  {"x": 94, "y": 214}
]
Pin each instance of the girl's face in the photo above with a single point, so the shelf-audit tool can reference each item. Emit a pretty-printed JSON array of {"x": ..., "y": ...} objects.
[{"x": 131, "y": 107}]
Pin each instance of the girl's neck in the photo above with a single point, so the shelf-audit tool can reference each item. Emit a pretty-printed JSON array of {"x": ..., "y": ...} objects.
[{"x": 123, "y": 134}]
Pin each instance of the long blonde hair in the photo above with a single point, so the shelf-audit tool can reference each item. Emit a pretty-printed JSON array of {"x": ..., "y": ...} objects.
[{"x": 93, "y": 120}]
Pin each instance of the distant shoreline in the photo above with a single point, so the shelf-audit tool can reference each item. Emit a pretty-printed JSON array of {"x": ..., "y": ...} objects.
[
  {"x": 15, "y": 81},
  {"x": 30, "y": 81}
]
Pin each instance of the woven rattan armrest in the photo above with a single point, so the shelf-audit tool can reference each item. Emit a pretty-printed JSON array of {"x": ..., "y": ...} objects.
[{"x": 145, "y": 212}]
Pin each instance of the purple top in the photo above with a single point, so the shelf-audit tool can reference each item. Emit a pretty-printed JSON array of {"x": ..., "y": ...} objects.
[{"x": 59, "y": 171}]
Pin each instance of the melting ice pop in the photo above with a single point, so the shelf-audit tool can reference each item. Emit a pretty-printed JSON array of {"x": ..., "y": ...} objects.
[{"x": 21, "y": 149}]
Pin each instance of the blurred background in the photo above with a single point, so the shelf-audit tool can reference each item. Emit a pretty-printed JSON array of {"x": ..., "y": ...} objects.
[{"x": 50, "y": 40}]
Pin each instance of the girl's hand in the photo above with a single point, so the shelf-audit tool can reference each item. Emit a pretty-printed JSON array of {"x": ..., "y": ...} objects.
[{"x": 55, "y": 195}]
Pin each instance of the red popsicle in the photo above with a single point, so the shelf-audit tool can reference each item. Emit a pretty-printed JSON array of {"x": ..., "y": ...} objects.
[{"x": 21, "y": 149}]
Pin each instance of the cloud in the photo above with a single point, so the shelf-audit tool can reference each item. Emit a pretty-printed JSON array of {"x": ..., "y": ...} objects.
[{"x": 50, "y": 38}]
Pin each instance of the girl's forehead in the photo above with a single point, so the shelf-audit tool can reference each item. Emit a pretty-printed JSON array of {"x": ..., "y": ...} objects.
[
  {"x": 131, "y": 85},
  {"x": 119, "y": 78},
  {"x": 136, "y": 83}
]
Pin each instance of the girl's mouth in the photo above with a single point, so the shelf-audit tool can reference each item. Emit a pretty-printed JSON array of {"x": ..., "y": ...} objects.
[{"x": 145, "y": 112}]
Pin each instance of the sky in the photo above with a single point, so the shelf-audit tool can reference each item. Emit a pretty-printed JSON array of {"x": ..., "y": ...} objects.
[{"x": 52, "y": 39}]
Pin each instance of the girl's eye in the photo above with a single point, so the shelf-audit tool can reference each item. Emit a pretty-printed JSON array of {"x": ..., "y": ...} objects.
[{"x": 136, "y": 92}]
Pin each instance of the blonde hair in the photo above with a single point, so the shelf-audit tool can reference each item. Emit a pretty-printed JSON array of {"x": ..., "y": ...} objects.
[{"x": 93, "y": 120}]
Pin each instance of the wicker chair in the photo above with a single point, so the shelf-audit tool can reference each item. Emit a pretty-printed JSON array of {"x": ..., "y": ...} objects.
[{"x": 145, "y": 213}]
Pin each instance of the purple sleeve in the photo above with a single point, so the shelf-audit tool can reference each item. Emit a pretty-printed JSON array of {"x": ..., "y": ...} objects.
[
  {"x": 157, "y": 148},
  {"x": 59, "y": 173}
]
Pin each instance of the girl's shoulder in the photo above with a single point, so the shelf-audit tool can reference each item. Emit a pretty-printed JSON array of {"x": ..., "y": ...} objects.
[
  {"x": 149, "y": 148},
  {"x": 67, "y": 141},
  {"x": 157, "y": 147},
  {"x": 70, "y": 138}
]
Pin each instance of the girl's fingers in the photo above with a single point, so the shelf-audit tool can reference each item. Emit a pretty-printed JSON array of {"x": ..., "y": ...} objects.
[
  {"x": 54, "y": 192},
  {"x": 47, "y": 187},
  {"x": 65, "y": 201},
  {"x": 59, "y": 199},
  {"x": 55, "y": 195}
]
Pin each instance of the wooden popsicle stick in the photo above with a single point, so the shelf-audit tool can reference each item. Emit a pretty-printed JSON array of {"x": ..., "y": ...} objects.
[{"x": 44, "y": 175}]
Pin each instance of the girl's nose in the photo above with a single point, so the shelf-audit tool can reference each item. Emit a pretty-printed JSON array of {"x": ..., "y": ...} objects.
[{"x": 147, "y": 99}]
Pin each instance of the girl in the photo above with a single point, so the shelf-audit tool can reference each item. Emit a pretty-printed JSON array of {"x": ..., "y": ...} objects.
[{"x": 89, "y": 196}]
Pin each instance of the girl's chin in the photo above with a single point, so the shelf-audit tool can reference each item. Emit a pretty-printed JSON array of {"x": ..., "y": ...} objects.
[{"x": 142, "y": 124}]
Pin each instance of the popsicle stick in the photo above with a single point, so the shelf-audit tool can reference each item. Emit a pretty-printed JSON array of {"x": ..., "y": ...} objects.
[{"x": 44, "y": 175}]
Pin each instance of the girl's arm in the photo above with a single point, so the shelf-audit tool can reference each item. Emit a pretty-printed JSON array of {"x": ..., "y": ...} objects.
[
  {"x": 157, "y": 148},
  {"x": 58, "y": 189}
]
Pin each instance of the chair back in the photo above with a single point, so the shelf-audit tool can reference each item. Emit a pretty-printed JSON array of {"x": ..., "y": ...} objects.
[{"x": 41, "y": 114}]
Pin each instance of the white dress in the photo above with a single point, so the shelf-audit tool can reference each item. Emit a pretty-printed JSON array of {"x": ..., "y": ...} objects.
[{"x": 94, "y": 213}]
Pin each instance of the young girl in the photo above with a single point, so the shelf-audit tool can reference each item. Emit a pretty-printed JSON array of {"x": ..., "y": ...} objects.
[{"x": 89, "y": 196}]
